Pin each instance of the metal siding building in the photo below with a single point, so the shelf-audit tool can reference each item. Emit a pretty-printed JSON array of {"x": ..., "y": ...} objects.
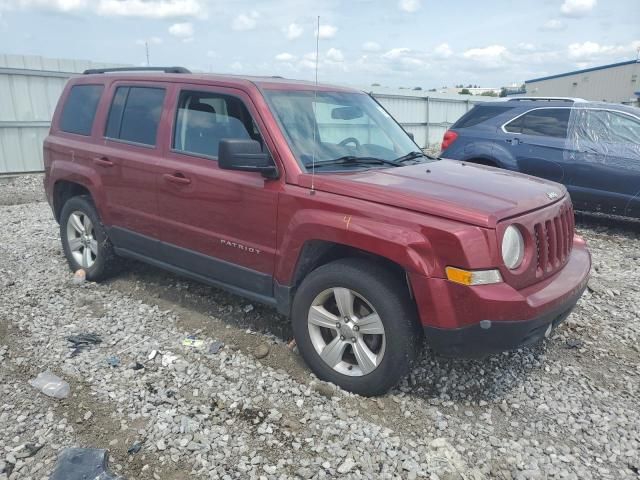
[
  {"x": 30, "y": 87},
  {"x": 617, "y": 83}
]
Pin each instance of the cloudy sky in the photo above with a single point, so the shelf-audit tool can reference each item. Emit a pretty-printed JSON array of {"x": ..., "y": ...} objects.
[{"x": 409, "y": 43}]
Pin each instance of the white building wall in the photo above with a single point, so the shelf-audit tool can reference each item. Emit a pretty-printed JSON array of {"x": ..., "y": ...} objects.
[{"x": 616, "y": 84}]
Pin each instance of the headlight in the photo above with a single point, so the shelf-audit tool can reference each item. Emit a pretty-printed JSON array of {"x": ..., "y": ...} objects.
[{"x": 512, "y": 247}]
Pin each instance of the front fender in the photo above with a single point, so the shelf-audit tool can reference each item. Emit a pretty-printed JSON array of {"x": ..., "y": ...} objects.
[{"x": 402, "y": 244}]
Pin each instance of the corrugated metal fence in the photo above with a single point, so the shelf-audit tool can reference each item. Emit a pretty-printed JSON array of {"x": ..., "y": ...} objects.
[
  {"x": 29, "y": 90},
  {"x": 30, "y": 87}
]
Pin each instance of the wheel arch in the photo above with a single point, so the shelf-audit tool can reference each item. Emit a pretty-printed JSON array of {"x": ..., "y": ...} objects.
[{"x": 64, "y": 190}]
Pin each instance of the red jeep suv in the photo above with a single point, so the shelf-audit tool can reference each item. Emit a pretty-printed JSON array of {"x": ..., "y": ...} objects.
[{"x": 312, "y": 199}]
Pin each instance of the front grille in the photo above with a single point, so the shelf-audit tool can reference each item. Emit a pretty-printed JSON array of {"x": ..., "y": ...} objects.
[{"x": 554, "y": 240}]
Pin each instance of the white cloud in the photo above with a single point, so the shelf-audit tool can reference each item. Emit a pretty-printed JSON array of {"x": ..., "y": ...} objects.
[
  {"x": 409, "y": 6},
  {"x": 61, "y": 5},
  {"x": 285, "y": 57},
  {"x": 181, "y": 30},
  {"x": 245, "y": 21},
  {"x": 293, "y": 31},
  {"x": 396, "y": 53},
  {"x": 443, "y": 50},
  {"x": 553, "y": 25},
  {"x": 371, "y": 47},
  {"x": 577, "y": 8},
  {"x": 149, "y": 8},
  {"x": 335, "y": 55},
  {"x": 327, "y": 31},
  {"x": 489, "y": 57},
  {"x": 591, "y": 50}
]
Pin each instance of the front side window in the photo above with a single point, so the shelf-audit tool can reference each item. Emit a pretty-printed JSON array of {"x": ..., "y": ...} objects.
[
  {"x": 80, "y": 109},
  {"x": 204, "y": 119},
  {"x": 547, "y": 122},
  {"x": 135, "y": 114},
  {"x": 326, "y": 126},
  {"x": 615, "y": 127}
]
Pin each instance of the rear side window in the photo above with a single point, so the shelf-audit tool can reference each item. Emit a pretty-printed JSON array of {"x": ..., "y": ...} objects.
[
  {"x": 80, "y": 109},
  {"x": 479, "y": 114},
  {"x": 547, "y": 122},
  {"x": 135, "y": 114}
]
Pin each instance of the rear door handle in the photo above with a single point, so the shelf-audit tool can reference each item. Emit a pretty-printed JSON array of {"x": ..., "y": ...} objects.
[
  {"x": 102, "y": 161},
  {"x": 513, "y": 141},
  {"x": 178, "y": 178}
]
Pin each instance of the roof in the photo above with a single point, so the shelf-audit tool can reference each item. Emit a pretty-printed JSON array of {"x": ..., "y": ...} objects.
[
  {"x": 221, "y": 79},
  {"x": 575, "y": 72}
]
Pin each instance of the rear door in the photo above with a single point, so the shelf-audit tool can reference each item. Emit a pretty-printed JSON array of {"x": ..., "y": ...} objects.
[
  {"x": 128, "y": 162},
  {"x": 537, "y": 140},
  {"x": 604, "y": 150},
  {"x": 218, "y": 224}
]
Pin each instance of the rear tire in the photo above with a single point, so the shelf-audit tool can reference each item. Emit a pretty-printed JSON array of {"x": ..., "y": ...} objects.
[
  {"x": 84, "y": 239},
  {"x": 356, "y": 326}
]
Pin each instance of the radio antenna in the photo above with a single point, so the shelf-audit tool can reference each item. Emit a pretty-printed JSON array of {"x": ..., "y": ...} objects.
[{"x": 315, "y": 123}]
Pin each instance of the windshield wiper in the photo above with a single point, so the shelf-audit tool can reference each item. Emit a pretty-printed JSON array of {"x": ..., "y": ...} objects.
[
  {"x": 410, "y": 156},
  {"x": 354, "y": 160}
]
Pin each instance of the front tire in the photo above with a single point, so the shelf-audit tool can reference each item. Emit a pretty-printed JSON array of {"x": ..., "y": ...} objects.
[
  {"x": 356, "y": 326},
  {"x": 84, "y": 239}
]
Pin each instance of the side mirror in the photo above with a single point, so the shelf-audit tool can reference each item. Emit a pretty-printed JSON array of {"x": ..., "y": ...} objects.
[{"x": 247, "y": 156}]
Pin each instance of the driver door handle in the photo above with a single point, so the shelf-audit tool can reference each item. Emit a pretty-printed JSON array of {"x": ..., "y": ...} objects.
[
  {"x": 513, "y": 141},
  {"x": 177, "y": 178}
]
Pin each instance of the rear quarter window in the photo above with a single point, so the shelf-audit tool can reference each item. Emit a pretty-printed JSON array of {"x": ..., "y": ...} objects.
[
  {"x": 479, "y": 114},
  {"x": 135, "y": 114},
  {"x": 80, "y": 108}
]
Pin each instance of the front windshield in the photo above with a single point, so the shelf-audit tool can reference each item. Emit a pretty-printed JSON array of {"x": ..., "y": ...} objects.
[{"x": 337, "y": 125}]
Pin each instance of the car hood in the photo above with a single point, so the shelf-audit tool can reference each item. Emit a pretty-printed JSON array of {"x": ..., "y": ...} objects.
[{"x": 459, "y": 191}]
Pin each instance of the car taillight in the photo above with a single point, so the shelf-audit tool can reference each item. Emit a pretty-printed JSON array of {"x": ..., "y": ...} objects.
[{"x": 449, "y": 137}]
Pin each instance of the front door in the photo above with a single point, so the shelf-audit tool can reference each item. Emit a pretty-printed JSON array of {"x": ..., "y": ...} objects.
[
  {"x": 604, "y": 151},
  {"x": 217, "y": 224}
]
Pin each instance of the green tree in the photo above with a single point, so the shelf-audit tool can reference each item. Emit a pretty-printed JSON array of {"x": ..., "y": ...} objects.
[
  {"x": 489, "y": 93},
  {"x": 465, "y": 91}
]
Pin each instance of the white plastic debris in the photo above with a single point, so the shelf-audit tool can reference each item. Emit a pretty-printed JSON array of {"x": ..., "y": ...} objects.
[
  {"x": 153, "y": 354},
  {"x": 168, "y": 358},
  {"x": 51, "y": 385}
]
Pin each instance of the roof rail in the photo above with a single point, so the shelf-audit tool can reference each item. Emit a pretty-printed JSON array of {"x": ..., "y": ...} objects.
[
  {"x": 548, "y": 99},
  {"x": 93, "y": 71}
]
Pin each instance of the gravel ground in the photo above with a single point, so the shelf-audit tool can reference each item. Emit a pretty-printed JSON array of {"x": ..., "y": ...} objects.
[{"x": 566, "y": 409}]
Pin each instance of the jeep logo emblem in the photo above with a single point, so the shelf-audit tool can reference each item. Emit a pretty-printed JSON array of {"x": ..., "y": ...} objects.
[{"x": 552, "y": 195}]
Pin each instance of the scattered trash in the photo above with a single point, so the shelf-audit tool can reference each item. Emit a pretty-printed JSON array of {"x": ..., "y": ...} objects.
[
  {"x": 574, "y": 343},
  {"x": 136, "y": 366},
  {"x": 27, "y": 450},
  {"x": 168, "y": 359},
  {"x": 248, "y": 308},
  {"x": 134, "y": 448},
  {"x": 261, "y": 350},
  {"x": 83, "y": 463},
  {"x": 113, "y": 361},
  {"x": 292, "y": 344},
  {"x": 215, "y": 347},
  {"x": 82, "y": 341},
  {"x": 51, "y": 385},
  {"x": 79, "y": 277},
  {"x": 153, "y": 354},
  {"x": 193, "y": 342}
]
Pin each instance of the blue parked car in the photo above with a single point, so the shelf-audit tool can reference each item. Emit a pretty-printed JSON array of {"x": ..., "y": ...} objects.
[{"x": 592, "y": 148}]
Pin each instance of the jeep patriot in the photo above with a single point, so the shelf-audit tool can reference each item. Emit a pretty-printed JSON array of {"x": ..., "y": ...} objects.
[{"x": 312, "y": 199}]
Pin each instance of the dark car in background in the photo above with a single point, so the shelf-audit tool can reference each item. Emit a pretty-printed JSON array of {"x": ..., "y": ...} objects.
[{"x": 593, "y": 148}]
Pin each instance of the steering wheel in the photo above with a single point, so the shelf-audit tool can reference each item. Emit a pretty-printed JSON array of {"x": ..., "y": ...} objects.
[{"x": 353, "y": 140}]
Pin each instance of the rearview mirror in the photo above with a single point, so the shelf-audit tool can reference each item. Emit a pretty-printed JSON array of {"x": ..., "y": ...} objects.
[
  {"x": 346, "y": 113},
  {"x": 411, "y": 136},
  {"x": 247, "y": 156}
]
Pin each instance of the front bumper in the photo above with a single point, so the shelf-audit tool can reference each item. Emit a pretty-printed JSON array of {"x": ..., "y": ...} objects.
[{"x": 475, "y": 321}]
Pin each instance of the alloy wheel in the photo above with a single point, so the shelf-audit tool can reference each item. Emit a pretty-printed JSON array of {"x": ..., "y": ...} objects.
[
  {"x": 346, "y": 331},
  {"x": 81, "y": 239}
]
